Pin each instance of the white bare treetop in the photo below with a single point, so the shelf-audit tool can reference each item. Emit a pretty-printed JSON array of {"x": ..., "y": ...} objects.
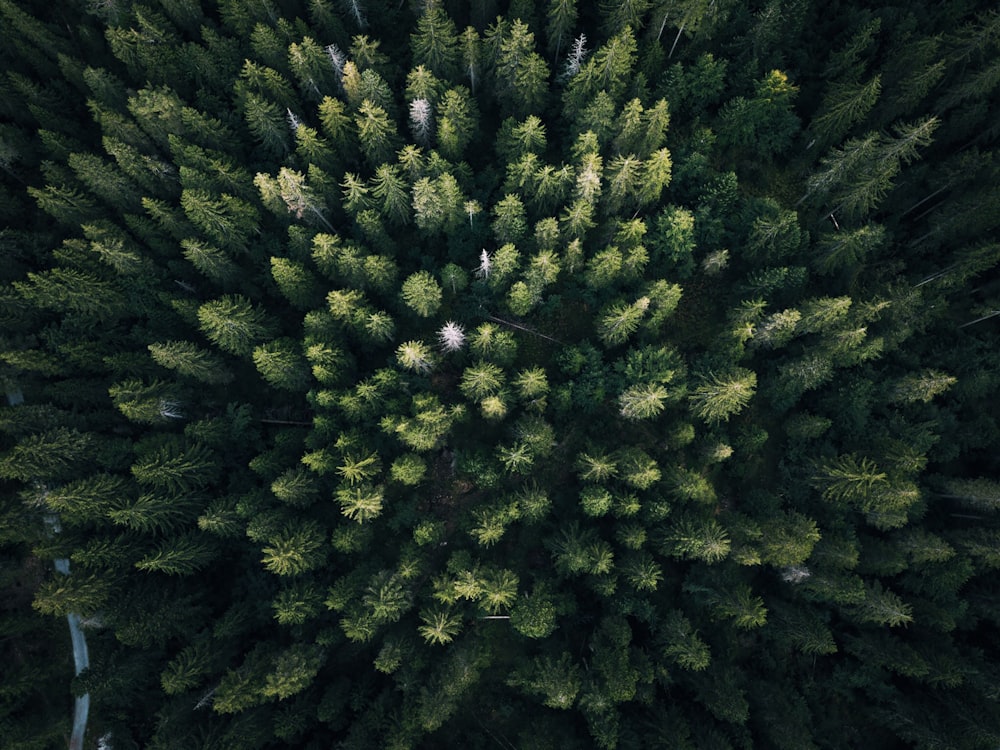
[
  {"x": 485, "y": 265},
  {"x": 577, "y": 54},
  {"x": 451, "y": 336},
  {"x": 420, "y": 120}
]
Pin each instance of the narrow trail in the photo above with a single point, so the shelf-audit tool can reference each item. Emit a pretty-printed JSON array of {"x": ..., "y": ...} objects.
[{"x": 81, "y": 658}]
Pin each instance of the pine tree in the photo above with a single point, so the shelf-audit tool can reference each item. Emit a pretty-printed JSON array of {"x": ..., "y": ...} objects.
[
  {"x": 534, "y": 613},
  {"x": 389, "y": 187},
  {"x": 440, "y": 626},
  {"x": 190, "y": 360},
  {"x": 155, "y": 513},
  {"x": 293, "y": 670},
  {"x": 556, "y": 682},
  {"x": 422, "y": 293},
  {"x": 850, "y": 479},
  {"x": 922, "y": 386},
  {"x": 296, "y": 549},
  {"x": 717, "y": 398},
  {"x": 509, "y": 220},
  {"x": 376, "y": 133},
  {"x": 281, "y": 363},
  {"x": 457, "y": 121},
  {"x": 681, "y": 643},
  {"x": 176, "y": 467},
  {"x": 437, "y": 204},
  {"x": 765, "y": 124},
  {"x": 482, "y": 380},
  {"x": 233, "y": 324},
  {"x": 311, "y": 66},
  {"x": 562, "y": 16},
  {"x": 297, "y": 283},
  {"x": 179, "y": 556},
  {"x": 845, "y": 105},
  {"x": 53, "y": 455},
  {"x": 362, "y": 503},
  {"x": 435, "y": 43},
  {"x": 152, "y": 403},
  {"x": 416, "y": 356},
  {"x": 520, "y": 73},
  {"x": 643, "y": 401},
  {"x": 609, "y": 69},
  {"x": 290, "y": 192},
  {"x": 225, "y": 219},
  {"x": 71, "y": 291}
]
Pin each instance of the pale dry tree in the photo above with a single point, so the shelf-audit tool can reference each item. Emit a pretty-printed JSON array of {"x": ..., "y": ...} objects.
[
  {"x": 485, "y": 265},
  {"x": 421, "y": 123},
  {"x": 337, "y": 59},
  {"x": 451, "y": 337},
  {"x": 577, "y": 54},
  {"x": 795, "y": 574}
]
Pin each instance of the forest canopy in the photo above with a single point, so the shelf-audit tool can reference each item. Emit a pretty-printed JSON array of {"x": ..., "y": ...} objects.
[{"x": 533, "y": 374}]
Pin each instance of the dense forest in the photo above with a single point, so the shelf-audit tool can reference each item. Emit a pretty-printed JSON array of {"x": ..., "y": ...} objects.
[{"x": 506, "y": 373}]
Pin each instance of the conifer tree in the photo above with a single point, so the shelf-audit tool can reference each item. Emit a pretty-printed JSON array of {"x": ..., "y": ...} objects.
[
  {"x": 233, "y": 324},
  {"x": 435, "y": 43},
  {"x": 719, "y": 397}
]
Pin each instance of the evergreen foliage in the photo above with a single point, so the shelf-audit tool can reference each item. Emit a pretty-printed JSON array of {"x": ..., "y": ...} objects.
[{"x": 558, "y": 374}]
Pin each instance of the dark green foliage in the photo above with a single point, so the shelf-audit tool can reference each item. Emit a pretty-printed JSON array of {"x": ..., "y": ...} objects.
[{"x": 543, "y": 375}]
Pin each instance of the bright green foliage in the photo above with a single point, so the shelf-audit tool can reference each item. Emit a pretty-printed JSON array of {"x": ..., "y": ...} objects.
[
  {"x": 850, "y": 479},
  {"x": 290, "y": 193},
  {"x": 440, "y": 626},
  {"x": 416, "y": 356},
  {"x": 293, "y": 671},
  {"x": 534, "y": 614},
  {"x": 295, "y": 549},
  {"x": 233, "y": 324},
  {"x": 408, "y": 469},
  {"x": 297, "y": 604},
  {"x": 621, "y": 321},
  {"x": 643, "y": 401},
  {"x": 457, "y": 118},
  {"x": 698, "y": 539},
  {"x": 376, "y": 132},
  {"x": 422, "y": 294},
  {"x": 608, "y": 68},
  {"x": 296, "y": 487},
  {"x": 438, "y": 203},
  {"x": 717, "y": 398},
  {"x": 596, "y": 468},
  {"x": 922, "y": 386},
  {"x": 427, "y": 425},
  {"x": 481, "y": 381}
]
